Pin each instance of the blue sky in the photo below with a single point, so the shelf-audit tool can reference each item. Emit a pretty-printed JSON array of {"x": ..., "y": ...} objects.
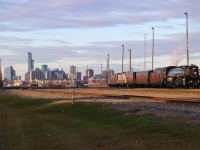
[{"x": 62, "y": 33}]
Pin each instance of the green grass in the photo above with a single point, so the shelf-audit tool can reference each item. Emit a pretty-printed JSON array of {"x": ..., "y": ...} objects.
[{"x": 32, "y": 124}]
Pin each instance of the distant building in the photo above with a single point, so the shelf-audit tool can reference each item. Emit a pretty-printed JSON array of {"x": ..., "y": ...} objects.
[
  {"x": 111, "y": 72},
  {"x": 9, "y": 73},
  {"x": 58, "y": 74},
  {"x": 44, "y": 68},
  {"x": 30, "y": 62},
  {"x": 27, "y": 76},
  {"x": 36, "y": 74},
  {"x": 89, "y": 73},
  {"x": 98, "y": 76},
  {"x": 79, "y": 75},
  {"x": 48, "y": 74},
  {"x": 94, "y": 80},
  {"x": 73, "y": 74},
  {"x": 17, "y": 78},
  {"x": 105, "y": 73}
]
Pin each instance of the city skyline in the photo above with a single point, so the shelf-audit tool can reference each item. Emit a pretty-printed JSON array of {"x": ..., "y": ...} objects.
[{"x": 60, "y": 34}]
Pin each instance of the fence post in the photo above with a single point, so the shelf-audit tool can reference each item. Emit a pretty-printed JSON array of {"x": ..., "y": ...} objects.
[{"x": 73, "y": 94}]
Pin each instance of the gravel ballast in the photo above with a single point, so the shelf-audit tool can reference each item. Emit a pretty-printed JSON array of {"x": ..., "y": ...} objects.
[{"x": 131, "y": 106}]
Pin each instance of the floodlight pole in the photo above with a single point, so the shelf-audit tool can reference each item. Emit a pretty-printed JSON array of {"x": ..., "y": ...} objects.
[
  {"x": 122, "y": 58},
  {"x": 152, "y": 48},
  {"x": 187, "y": 49},
  {"x": 129, "y": 60}
]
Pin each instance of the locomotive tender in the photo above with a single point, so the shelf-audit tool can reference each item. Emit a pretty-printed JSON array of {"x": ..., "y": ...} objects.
[{"x": 171, "y": 76}]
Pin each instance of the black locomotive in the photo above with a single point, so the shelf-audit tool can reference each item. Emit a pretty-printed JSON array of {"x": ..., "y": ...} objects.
[{"x": 171, "y": 76}]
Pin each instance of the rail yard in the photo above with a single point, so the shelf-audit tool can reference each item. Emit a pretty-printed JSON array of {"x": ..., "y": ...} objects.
[{"x": 160, "y": 102}]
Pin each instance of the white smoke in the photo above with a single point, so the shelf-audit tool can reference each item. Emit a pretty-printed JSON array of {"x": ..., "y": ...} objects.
[{"x": 177, "y": 55}]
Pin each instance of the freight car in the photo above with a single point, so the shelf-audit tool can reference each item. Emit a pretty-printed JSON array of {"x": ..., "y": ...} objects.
[{"x": 171, "y": 76}]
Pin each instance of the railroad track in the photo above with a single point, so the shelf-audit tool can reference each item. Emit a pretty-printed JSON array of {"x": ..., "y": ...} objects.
[{"x": 84, "y": 93}]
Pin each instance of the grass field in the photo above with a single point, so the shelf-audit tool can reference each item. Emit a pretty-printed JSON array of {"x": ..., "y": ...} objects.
[{"x": 32, "y": 124}]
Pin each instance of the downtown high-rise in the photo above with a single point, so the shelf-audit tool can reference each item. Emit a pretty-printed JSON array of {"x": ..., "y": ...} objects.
[
  {"x": 9, "y": 73},
  {"x": 30, "y": 62},
  {"x": 73, "y": 74}
]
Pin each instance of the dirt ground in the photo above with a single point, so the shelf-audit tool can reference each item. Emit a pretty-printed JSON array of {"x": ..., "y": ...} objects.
[{"x": 159, "y": 102}]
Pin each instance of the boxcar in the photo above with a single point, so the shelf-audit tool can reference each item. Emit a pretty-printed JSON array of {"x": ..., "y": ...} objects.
[
  {"x": 143, "y": 78},
  {"x": 131, "y": 79},
  {"x": 112, "y": 81},
  {"x": 157, "y": 77},
  {"x": 121, "y": 79}
]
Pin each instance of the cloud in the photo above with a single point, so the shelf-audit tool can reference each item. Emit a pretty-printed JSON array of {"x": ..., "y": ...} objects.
[
  {"x": 49, "y": 14},
  {"x": 59, "y": 31}
]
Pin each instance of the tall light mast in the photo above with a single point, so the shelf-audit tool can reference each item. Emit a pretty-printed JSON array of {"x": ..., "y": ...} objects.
[
  {"x": 122, "y": 58},
  {"x": 187, "y": 49},
  {"x": 152, "y": 48},
  {"x": 145, "y": 46}
]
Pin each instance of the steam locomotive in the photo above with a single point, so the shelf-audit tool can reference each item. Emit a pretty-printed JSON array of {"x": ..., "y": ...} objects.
[{"x": 171, "y": 76}]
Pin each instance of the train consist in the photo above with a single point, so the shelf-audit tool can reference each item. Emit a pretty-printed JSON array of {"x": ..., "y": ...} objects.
[{"x": 171, "y": 76}]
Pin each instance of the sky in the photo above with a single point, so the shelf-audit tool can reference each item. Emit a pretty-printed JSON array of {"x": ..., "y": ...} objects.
[{"x": 61, "y": 33}]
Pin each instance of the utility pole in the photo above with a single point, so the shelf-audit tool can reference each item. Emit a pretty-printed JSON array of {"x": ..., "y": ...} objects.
[
  {"x": 108, "y": 64},
  {"x": 108, "y": 67},
  {"x": 107, "y": 70},
  {"x": 1, "y": 80},
  {"x": 187, "y": 49},
  {"x": 87, "y": 73},
  {"x": 122, "y": 58},
  {"x": 152, "y": 48},
  {"x": 76, "y": 73},
  {"x": 101, "y": 74},
  {"x": 145, "y": 45},
  {"x": 129, "y": 60}
]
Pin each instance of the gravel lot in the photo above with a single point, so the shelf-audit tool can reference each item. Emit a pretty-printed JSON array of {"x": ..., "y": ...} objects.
[{"x": 137, "y": 105}]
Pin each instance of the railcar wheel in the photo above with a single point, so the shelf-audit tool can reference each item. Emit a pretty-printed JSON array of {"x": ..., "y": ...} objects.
[
  {"x": 164, "y": 84},
  {"x": 176, "y": 84},
  {"x": 191, "y": 85}
]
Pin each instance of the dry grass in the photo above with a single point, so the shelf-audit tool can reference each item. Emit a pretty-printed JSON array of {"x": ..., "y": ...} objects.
[{"x": 33, "y": 124}]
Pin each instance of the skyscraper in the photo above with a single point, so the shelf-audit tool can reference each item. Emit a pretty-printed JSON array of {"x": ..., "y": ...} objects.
[
  {"x": 79, "y": 75},
  {"x": 36, "y": 74},
  {"x": 89, "y": 73},
  {"x": 73, "y": 72},
  {"x": 9, "y": 73},
  {"x": 30, "y": 62},
  {"x": 44, "y": 68}
]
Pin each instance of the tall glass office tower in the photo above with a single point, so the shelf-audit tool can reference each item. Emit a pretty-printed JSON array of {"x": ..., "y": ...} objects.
[
  {"x": 9, "y": 73},
  {"x": 30, "y": 62}
]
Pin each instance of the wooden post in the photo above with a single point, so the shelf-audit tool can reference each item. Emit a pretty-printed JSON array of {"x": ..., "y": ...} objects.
[{"x": 73, "y": 94}]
